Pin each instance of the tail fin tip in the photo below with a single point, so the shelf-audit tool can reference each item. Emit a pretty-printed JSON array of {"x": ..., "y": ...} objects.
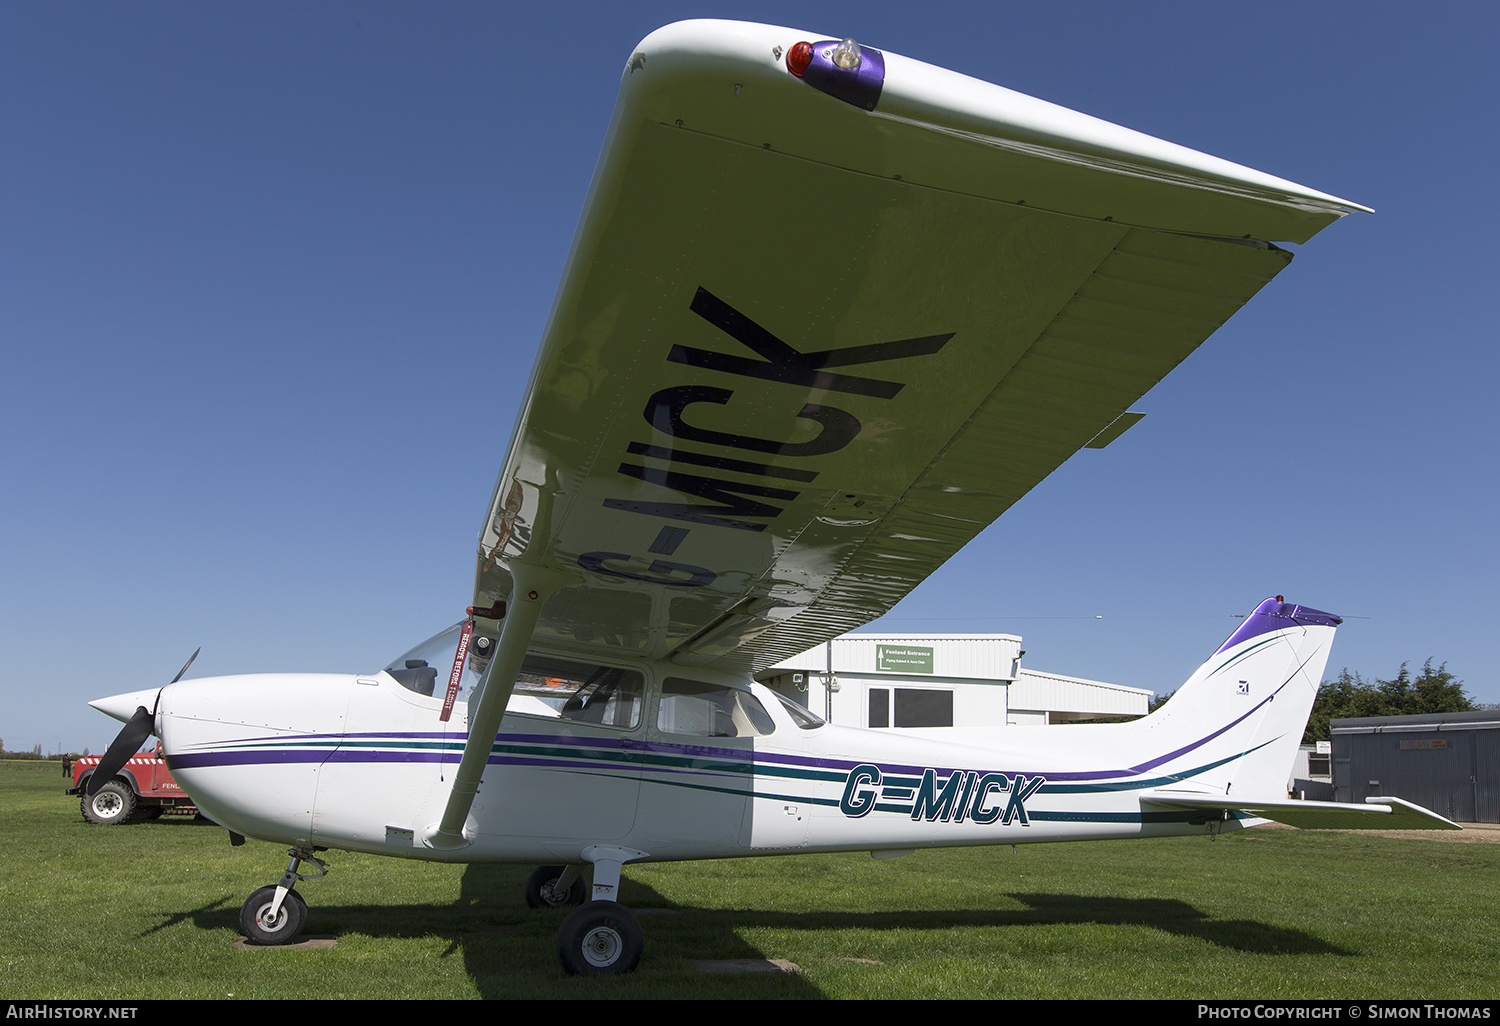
[{"x": 1276, "y": 614}]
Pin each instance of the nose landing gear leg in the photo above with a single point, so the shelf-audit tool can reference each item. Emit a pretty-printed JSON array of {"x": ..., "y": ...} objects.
[{"x": 276, "y": 915}]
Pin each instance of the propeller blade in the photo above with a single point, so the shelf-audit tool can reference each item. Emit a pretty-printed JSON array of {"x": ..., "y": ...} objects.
[
  {"x": 121, "y": 749},
  {"x": 185, "y": 666},
  {"x": 129, "y": 740}
]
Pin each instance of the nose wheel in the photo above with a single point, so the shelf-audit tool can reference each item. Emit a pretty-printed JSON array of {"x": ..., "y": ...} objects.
[
  {"x": 276, "y": 915},
  {"x": 265, "y": 921}
]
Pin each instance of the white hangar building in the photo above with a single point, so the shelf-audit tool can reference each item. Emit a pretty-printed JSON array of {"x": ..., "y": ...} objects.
[{"x": 942, "y": 680}]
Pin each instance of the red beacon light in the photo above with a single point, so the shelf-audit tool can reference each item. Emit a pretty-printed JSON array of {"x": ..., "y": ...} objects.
[{"x": 799, "y": 57}]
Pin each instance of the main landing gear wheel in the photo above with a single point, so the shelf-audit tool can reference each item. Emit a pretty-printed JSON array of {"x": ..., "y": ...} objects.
[
  {"x": 261, "y": 927},
  {"x": 111, "y": 804},
  {"x": 540, "y": 892},
  {"x": 600, "y": 939}
]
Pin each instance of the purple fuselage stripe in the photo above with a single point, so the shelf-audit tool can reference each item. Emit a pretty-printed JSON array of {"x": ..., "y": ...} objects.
[{"x": 283, "y": 756}]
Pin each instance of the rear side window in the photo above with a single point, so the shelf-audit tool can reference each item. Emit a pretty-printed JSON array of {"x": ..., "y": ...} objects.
[{"x": 710, "y": 710}]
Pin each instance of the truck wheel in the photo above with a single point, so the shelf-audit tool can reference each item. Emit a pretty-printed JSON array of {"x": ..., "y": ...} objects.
[
  {"x": 113, "y": 804},
  {"x": 260, "y": 928}
]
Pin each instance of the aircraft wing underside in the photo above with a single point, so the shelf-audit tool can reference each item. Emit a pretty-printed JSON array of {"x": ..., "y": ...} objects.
[{"x": 803, "y": 352}]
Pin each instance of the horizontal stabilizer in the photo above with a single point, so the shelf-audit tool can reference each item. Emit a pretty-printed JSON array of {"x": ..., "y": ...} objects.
[{"x": 1376, "y": 814}]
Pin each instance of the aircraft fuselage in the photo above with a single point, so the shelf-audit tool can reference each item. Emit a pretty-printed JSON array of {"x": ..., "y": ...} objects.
[{"x": 363, "y": 763}]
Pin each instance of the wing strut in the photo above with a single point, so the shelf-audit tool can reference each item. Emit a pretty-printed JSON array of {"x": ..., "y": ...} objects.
[{"x": 532, "y": 586}]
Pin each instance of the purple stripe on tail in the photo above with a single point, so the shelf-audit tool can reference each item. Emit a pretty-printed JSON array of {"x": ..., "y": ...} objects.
[{"x": 1274, "y": 614}]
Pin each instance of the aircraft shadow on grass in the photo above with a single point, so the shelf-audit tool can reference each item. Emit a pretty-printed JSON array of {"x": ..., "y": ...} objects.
[
  {"x": 1173, "y": 916},
  {"x": 497, "y": 936},
  {"x": 490, "y": 927},
  {"x": 1166, "y": 914}
]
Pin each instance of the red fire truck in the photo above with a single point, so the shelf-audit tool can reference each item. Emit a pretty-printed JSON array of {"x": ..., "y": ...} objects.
[{"x": 143, "y": 789}]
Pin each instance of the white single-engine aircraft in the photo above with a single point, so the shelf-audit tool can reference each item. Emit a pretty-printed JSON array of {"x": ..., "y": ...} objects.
[{"x": 829, "y": 313}]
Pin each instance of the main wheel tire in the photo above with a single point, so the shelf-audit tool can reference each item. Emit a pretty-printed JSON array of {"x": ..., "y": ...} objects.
[
  {"x": 260, "y": 928},
  {"x": 600, "y": 939},
  {"x": 110, "y": 806},
  {"x": 539, "y": 893}
]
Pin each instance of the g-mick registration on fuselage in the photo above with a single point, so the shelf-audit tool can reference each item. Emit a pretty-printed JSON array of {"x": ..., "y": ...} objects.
[{"x": 829, "y": 313}]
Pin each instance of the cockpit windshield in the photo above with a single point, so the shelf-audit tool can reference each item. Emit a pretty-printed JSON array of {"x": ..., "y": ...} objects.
[
  {"x": 804, "y": 717},
  {"x": 419, "y": 669}
]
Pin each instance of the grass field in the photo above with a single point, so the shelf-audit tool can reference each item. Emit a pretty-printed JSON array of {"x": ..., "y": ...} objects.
[{"x": 150, "y": 910}]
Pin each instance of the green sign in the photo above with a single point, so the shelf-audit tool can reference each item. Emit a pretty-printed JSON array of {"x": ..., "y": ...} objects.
[{"x": 903, "y": 659}]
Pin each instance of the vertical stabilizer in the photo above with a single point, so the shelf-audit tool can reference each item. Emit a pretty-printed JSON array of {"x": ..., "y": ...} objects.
[{"x": 1234, "y": 727}]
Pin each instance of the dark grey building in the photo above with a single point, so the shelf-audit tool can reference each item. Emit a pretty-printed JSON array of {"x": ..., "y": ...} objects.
[{"x": 1446, "y": 762}]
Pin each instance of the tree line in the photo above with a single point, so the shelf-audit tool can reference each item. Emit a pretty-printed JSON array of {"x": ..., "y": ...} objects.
[
  {"x": 1350, "y": 695},
  {"x": 35, "y": 753}
]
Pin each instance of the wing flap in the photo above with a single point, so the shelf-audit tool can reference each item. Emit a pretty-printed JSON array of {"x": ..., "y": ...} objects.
[
  {"x": 1054, "y": 400},
  {"x": 1376, "y": 814}
]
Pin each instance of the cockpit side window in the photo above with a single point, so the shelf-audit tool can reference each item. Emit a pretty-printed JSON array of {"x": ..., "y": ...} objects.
[
  {"x": 547, "y": 686},
  {"x": 710, "y": 710}
]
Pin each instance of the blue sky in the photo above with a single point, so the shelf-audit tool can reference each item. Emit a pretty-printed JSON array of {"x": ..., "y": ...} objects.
[{"x": 272, "y": 276}]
